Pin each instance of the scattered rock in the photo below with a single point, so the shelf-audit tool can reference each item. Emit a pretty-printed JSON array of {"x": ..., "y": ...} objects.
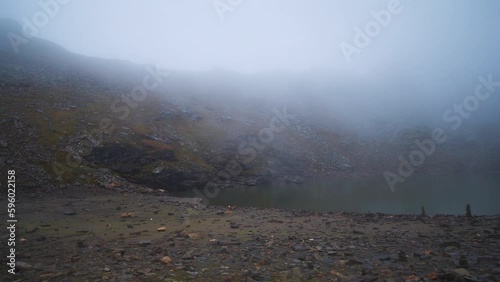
[
  {"x": 461, "y": 271},
  {"x": 166, "y": 260},
  {"x": 193, "y": 235},
  {"x": 158, "y": 170},
  {"x": 309, "y": 253},
  {"x": 450, "y": 244},
  {"x": 144, "y": 242},
  {"x": 382, "y": 257}
]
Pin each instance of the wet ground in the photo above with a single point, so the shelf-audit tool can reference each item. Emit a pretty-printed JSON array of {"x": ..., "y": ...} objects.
[{"x": 102, "y": 235}]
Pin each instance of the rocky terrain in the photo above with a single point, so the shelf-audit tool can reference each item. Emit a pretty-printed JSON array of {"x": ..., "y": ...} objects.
[
  {"x": 99, "y": 145},
  {"x": 94, "y": 234}
]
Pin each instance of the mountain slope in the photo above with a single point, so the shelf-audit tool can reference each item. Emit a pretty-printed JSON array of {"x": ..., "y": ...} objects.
[{"x": 68, "y": 119}]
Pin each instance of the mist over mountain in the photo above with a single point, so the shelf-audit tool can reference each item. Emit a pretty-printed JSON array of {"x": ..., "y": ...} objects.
[
  {"x": 427, "y": 58},
  {"x": 233, "y": 140},
  {"x": 194, "y": 124}
]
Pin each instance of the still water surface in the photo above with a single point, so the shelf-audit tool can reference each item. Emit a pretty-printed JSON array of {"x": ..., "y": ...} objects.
[{"x": 439, "y": 194}]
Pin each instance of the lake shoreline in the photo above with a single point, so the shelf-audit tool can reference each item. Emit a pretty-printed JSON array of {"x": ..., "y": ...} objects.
[
  {"x": 438, "y": 193},
  {"x": 102, "y": 235}
]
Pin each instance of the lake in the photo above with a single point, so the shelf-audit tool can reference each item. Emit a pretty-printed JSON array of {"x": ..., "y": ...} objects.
[{"x": 439, "y": 194}]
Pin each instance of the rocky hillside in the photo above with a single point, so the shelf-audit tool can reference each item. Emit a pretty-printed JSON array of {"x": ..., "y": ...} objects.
[{"x": 67, "y": 119}]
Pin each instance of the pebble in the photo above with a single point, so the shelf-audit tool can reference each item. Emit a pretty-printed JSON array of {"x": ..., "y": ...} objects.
[
  {"x": 166, "y": 260},
  {"x": 144, "y": 242}
]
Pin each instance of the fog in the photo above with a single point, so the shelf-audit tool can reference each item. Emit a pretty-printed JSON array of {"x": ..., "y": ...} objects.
[
  {"x": 421, "y": 58},
  {"x": 275, "y": 35}
]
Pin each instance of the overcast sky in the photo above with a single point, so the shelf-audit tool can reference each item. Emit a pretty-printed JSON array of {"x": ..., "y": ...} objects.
[{"x": 436, "y": 36}]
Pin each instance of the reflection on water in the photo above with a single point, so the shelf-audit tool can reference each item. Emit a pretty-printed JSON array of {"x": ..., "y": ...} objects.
[{"x": 440, "y": 194}]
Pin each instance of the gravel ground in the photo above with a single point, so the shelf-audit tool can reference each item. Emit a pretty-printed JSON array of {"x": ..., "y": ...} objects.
[{"x": 96, "y": 234}]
